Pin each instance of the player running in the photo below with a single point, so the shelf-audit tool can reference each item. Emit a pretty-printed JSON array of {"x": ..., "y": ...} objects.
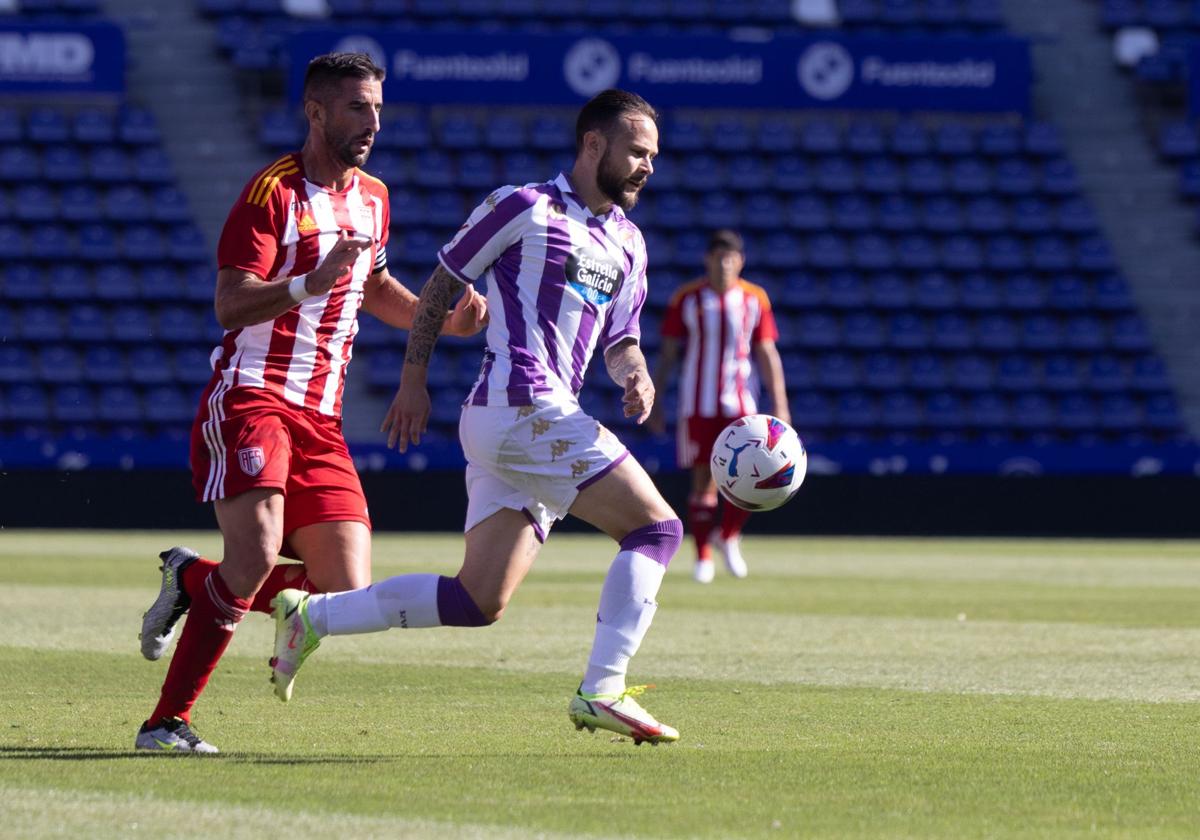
[
  {"x": 719, "y": 318},
  {"x": 302, "y": 251},
  {"x": 566, "y": 273}
]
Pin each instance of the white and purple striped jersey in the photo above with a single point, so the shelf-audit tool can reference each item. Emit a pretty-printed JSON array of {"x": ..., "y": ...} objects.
[{"x": 560, "y": 281}]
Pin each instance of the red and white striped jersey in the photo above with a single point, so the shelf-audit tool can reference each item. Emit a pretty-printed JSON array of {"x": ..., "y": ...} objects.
[
  {"x": 283, "y": 225},
  {"x": 718, "y": 331}
]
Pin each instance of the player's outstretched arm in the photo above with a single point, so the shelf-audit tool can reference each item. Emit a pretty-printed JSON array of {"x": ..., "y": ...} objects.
[
  {"x": 627, "y": 367},
  {"x": 770, "y": 368},
  {"x": 387, "y": 299},
  {"x": 409, "y": 413}
]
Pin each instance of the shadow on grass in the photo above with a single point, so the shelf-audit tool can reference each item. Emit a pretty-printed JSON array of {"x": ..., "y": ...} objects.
[{"x": 33, "y": 753}]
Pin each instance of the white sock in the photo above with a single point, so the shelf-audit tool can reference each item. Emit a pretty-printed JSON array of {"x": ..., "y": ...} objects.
[
  {"x": 627, "y": 607},
  {"x": 401, "y": 601}
]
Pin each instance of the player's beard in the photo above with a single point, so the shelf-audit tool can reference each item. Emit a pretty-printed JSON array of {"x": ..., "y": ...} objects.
[
  {"x": 344, "y": 149},
  {"x": 614, "y": 185}
]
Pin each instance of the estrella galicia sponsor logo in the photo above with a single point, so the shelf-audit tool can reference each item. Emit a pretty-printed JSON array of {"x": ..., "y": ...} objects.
[
  {"x": 591, "y": 65},
  {"x": 825, "y": 70},
  {"x": 363, "y": 44},
  {"x": 598, "y": 279}
]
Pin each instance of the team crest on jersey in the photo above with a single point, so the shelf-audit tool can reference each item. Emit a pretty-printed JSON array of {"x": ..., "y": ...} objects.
[
  {"x": 251, "y": 460},
  {"x": 598, "y": 279}
]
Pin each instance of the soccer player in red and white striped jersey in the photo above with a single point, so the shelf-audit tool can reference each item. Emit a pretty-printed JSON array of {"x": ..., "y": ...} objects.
[
  {"x": 718, "y": 321},
  {"x": 302, "y": 252}
]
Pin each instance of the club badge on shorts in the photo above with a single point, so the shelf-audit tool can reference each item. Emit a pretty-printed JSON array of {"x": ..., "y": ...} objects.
[{"x": 252, "y": 460}]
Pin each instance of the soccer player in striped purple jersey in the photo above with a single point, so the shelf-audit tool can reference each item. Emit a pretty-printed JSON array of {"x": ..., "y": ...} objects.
[{"x": 566, "y": 275}]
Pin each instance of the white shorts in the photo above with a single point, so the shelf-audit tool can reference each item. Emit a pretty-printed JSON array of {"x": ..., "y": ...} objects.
[{"x": 533, "y": 458}]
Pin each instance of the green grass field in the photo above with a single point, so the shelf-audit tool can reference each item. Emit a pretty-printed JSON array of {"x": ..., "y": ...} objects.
[{"x": 848, "y": 688}]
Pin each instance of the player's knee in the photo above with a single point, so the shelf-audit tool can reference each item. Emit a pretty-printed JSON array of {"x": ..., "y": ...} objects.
[
  {"x": 457, "y": 608},
  {"x": 658, "y": 541}
]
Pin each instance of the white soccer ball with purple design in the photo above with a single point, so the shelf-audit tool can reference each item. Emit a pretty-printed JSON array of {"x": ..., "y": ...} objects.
[{"x": 758, "y": 462}]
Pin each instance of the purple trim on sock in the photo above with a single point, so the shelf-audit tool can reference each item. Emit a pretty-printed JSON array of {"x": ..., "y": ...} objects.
[
  {"x": 455, "y": 605},
  {"x": 659, "y": 541},
  {"x": 588, "y": 482},
  {"x": 537, "y": 526}
]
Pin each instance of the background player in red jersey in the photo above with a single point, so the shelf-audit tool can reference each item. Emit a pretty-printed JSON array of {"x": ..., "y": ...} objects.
[
  {"x": 718, "y": 318},
  {"x": 301, "y": 253}
]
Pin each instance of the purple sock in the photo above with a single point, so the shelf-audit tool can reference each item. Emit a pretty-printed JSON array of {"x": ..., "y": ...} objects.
[
  {"x": 456, "y": 608},
  {"x": 659, "y": 541}
]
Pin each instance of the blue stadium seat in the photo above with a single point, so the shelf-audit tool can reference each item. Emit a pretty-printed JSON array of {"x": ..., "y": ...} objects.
[
  {"x": 820, "y": 137},
  {"x": 745, "y": 173},
  {"x": 817, "y": 330},
  {"x": 1162, "y": 413},
  {"x": 169, "y": 404},
  {"x": 70, "y": 281},
  {"x": 38, "y": 323},
  {"x": 409, "y": 131},
  {"x": 1093, "y": 255},
  {"x": 22, "y": 282},
  {"x": 925, "y": 176},
  {"x": 160, "y": 283},
  {"x": 1062, "y": 374},
  {"x": 942, "y": 214},
  {"x": 63, "y": 164},
  {"x": 907, "y": 331},
  {"x": 835, "y": 175},
  {"x": 970, "y": 176},
  {"x": 73, "y": 404},
  {"x": 760, "y": 211},
  {"x": 951, "y": 331},
  {"x": 872, "y": 252},
  {"x": 180, "y": 324},
  {"x": 458, "y": 131},
  {"x": 1051, "y": 254},
  {"x": 988, "y": 411},
  {"x": 1023, "y": 292},
  {"x": 702, "y": 173},
  {"x": 1016, "y": 178},
  {"x": 445, "y": 209},
  {"x": 1041, "y": 332},
  {"x": 954, "y": 139},
  {"x": 1006, "y": 254},
  {"x": 781, "y": 250},
  {"x": 1129, "y": 334},
  {"x": 856, "y": 410},
  {"x": 149, "y": 365},
  {"x": 143, "y": 244},
  {"x": 1084, "y": 332},
  {"x": 1121, "y": 413},
  {"x": 866, "y": 138},
  {"x": 897, "y": 214},
  {"x": 35, "y": 203},
  {"x": 801, "y": 291},
  {"x": 731, "y": 136},
  {"x": 901, "y": 411},
  {"x": 808, "y": 212},
  {"x": 114, "y": 282},
  {"x": 986, "y": 214},
  {"x": 881, "y": 176},
  {"x": 1000, "y": 141},
  {"x": 11, "y": 130},
  {"x": 1076, "y": 413},
  {"x": 1042, "y": 140},
  {"x": 152, "y": 166},
  {"x": 167, "y": 204},
  {"x": 1107, "y": 374},
  {"x": 78, "y": 203},
  {"x": 93, "y": 127},
  {"x": 962, "y": 253},
  {"x": 551, "y": 134},
  {"x": 889, "y": 291},
  {"x": 281, "y": 130},
  {"x": 883, "y": 372},
  {"x": 1017, "y": 373},
  {"x": 107, "y": 165},
  {"x": 1033, "y": 412},
  {"x": 864, "y": 331},
  {"x": 828, "y": 251},
  {"x": 997, "y": 333},
  {"x": 851, "y": 213},
  {"x": 118, "y": 403},
  {"x": 1059, "y": 178},
  {"x": 837, "y": 371},
  {"x": 137, "y": 127},
  {"x": 1068, "y": 293},
  {"x": 720, "y": 209},
  {"x": 812, "y": 410},
  {"x": 909, "y": 139},
  {"x": 59, "y": 365},
  {"x": 19, "y": 164},
  {"x": 192, "y": 366},
  {"x": 47, "y": 125},
  {"x": 87, "y": 324},
  {"x": 791, "y": 174},
  {"x": 133, "y": 324},
  {"x": 1077, "y": 217},
  {"x": 16, "y": 362},
  {"x": 934, "y": 290},
  {"x": 104, "y": 365},
  {"x": 776, "y": 135},
  {"x": 52, "y": 243},
  {"x": 505, "y": 132},
  {"x": 917, "y": 253},
  {"x": 944, "y": 410},
  {"x": 27, "y": 403},
  {"x": 846, "y": 290},
  {"x": 126, "y": 204}
]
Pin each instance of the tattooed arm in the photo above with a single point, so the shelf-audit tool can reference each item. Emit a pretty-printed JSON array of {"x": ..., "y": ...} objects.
[
  {"x": 627, "y": 367},
  {"x": 409, "y": 412}
]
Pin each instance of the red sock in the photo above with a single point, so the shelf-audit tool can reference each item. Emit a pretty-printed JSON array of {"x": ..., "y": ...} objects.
[
  {"x": 732, "y": 520},
  {"x": 212, "y": 618},
  {"x": 283, "y": 576},
  {"x": 702, "y": 516}
]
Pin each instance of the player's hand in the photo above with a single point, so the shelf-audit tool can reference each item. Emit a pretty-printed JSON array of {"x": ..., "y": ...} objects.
[
  {"x": 469, "y": 315},
  {"x": 409, "y": 413},
  {"x": 337, "y": 263},
  {"x": 639, "y": 396}
]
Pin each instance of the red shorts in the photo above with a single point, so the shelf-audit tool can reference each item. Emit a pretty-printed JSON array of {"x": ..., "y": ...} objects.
[
  {"x": 248, "y": 437},
  {"x": 696, "y": 437}
]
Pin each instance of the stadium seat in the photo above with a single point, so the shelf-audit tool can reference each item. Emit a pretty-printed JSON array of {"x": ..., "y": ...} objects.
[
  {"x": 909, "y": 139},
  {"x": 104, "y": 365},
  {"x": 27, "y": 403},
  {"x": 73, "y": 404},
  {"x": 118, "y": 404},
  {"x": 45, "y": 126},
  {"x": 997, "y": 333},
  {"x": 69, "y": 281},
  {"x": 1149, "y": 375},
  {"x": 38, "y": 323},
  {"x": 148, "y": 365},
  {"x": 1016, "y": 373},
  {"x": 791, "y": 174},
  {"x": 864, "y": 331},
  {"x": 972, "y": 373},
  {"x": 988, "y": 411},
  {"x": 1076, "y": 412},
  {"x": 889, "y": 291},
  {"x": 1062, "y": 374},
  {"x": 927, "y": 372},
  {"x": 837, "y": 371},
  {"x": 133, "y": 324},
  {"x": 1040, "y": 332},
  {"x": 59, "y": 365},
  {"x": 35, "y": 203},
  {"x": 944, "y": 410}
]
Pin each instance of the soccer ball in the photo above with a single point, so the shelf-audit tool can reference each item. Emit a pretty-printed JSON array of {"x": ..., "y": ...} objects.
[{"x": 758, "y": 462}]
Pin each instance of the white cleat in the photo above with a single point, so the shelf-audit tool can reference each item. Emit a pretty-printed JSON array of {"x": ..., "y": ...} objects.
[
  {"x": 172, "y": 736},
  {"x": 731, "y": 550},
  {"x": 158, "y": 622},
  {"x": 703, "y": 571},
  {"x": 619, "y": 713}
]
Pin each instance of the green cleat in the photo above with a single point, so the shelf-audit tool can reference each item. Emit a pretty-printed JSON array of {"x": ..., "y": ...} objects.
[
  {"x": 294, "y": 639},
  {"x": 619, "y": 713}
]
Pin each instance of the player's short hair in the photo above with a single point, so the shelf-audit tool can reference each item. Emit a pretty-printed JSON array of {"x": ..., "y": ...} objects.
[
  {"x": 327, "y": 70},
  {"x": 604, "y": 110},
  {"x": 726, "y": 239}
]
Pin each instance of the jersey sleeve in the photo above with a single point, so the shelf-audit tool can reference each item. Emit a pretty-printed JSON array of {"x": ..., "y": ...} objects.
[
  {"x": 672, "y": 322},
  {"x": 765, "y": 329},
  {"x": 490, "y": 230},
  {"x": 624, "y": 317},
  {"x": 250, "y": 239}
]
